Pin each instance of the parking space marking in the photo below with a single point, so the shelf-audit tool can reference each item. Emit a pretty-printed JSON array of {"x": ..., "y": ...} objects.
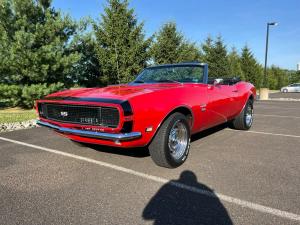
[
  {"x": 226, "y": 198},
  {"x": 266, "y": 133},
  {"x": 270, "y": 115}
]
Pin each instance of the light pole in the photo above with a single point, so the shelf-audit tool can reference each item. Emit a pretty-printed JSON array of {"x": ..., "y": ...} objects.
[{"x": 264, "y": 92}]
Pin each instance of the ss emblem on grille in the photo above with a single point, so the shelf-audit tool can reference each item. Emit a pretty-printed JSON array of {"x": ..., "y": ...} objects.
[{"x": 64, "y": 114}]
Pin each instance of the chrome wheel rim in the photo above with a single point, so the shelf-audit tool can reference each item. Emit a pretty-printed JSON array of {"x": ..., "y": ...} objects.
[
  {"x": 249, "y": 115},
  {"x": 178, "y": 140}
]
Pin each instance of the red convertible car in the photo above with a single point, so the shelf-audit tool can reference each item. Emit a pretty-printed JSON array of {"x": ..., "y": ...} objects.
[{"x": 160, "y": 109}]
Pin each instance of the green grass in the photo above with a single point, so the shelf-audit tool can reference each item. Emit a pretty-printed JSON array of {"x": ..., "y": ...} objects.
[{"x": 12, "y": 115}]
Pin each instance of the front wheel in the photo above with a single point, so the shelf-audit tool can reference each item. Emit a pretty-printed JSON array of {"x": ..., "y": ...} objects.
[
  {"x": 170, "y": 146},
  {"x": 285, "y": 90},
  {"x": 245, "y": 119}
]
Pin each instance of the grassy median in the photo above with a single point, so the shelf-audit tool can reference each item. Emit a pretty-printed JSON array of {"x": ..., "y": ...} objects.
[{"x": 11, "y": 115}]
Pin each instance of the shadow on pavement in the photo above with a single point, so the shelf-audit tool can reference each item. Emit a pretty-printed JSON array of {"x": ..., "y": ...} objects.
[
  {"x": 208, "y": 132},
  {"x": 143, "y": 151},
  {"x": 174, "y": 205},
  {"x": 132, "y": 152}
]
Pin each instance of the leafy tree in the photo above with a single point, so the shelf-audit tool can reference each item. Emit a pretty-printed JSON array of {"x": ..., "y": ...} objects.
[
  {"x": 235, "y": 64},
  {"x": 294, "y": 77},
  {"x": 171, "y": 47},
  {"x": 282, "y": 78},
  {"x": 277, "y": 77},
  {"x": 215, "y": 54},
  {"x": 34, "y": 42},
  {"x": 122, "y": 50},
  {"x": 252, "y": 70},
  {"x": 272, "y": 81}
]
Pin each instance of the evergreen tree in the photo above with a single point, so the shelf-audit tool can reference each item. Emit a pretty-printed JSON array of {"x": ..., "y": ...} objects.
[
  {"x": 122, "y": 50},
  {"x": 251, "y": 68},
  {"x": 87, "y": 71},
  {"x": 189, "y": 52},
  {"x": 215, "y": 54},
  {"x": 207, "y": 49},
  {"x": 34, "y": 42},
  {"x": 171, "y": 47},
  {"x": 235, "y": 64}
]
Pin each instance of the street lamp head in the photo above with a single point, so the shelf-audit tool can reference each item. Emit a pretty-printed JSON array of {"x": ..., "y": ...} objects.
[{"x": 273, "y": 24}]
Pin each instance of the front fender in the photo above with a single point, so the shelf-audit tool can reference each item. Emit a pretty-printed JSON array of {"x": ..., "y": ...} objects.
[
  {"x": 250, "y": 92},
  {"x": 151, "y": 110}
]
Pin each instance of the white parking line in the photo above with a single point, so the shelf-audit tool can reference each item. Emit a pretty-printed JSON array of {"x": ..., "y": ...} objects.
[
  {"x": 240, "y": 202},
  {"x": 279, "y": 116},
  {"x": 266, "y": 133}
]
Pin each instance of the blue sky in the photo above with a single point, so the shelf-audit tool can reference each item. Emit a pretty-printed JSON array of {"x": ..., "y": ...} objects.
[{"x": 240, "y": 22}]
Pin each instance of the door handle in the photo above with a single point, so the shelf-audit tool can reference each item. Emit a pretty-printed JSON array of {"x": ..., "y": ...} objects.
[{"x": 235, "y": 91}]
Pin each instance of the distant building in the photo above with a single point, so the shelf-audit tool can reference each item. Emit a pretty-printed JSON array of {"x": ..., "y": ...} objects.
[{"x": 298, "y": 66}]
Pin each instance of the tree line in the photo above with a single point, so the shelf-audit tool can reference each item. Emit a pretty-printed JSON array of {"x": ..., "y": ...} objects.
[{"x": 40, "y": 45}]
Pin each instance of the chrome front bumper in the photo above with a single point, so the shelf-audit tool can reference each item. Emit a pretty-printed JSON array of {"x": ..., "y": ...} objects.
[{"x": 93, "y": 134}]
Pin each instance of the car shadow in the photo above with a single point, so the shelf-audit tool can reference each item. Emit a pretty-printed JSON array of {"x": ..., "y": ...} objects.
[
  {"x": 208, "y": 132},
  {"x": 143, "y": 151},
  {"x": 174, "y": 205},
  {"x": 132, "y": 152}
]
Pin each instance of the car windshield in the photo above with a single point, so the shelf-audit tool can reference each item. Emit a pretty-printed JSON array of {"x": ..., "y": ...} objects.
[{"x": 171, "y": 74}]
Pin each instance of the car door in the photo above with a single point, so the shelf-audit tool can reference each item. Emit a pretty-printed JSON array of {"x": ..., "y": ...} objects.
[
  {"x": 221, "y": 103},
  {"x": 292, "y": 88}
]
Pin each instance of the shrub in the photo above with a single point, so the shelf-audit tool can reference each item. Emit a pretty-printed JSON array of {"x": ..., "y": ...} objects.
[
  {"x": 37, "y": 91},
  {"x": 10, "y": 95}
]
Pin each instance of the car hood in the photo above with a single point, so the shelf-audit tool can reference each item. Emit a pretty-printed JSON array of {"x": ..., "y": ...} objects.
[{"x": 115, "y": 92}]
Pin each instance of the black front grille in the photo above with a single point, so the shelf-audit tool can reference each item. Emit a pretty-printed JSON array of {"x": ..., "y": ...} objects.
[{"x": 86, "y": 115}]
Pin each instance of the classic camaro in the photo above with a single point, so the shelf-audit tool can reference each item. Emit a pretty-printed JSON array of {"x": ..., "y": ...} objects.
[{"x": 160, "y": 109}]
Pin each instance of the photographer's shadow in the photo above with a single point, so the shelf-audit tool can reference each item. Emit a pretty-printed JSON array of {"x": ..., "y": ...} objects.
[{"x": 176, "y": 205}]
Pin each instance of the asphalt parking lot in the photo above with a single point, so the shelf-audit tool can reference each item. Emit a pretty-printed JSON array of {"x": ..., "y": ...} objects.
[{"x": 230, "y": 177}]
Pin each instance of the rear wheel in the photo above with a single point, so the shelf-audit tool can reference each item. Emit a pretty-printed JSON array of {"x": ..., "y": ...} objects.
[
  {"x": 170, "y": 146},
  {"x": 245, "y": 119}
]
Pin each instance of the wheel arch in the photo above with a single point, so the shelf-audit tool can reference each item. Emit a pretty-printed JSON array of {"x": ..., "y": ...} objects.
[
  {"x": 184, "y": 109},
  {"x": 251, "y": 97}
]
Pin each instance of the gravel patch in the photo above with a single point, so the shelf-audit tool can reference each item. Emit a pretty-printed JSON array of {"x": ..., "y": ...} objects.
[{"x": 4, "y": 127}]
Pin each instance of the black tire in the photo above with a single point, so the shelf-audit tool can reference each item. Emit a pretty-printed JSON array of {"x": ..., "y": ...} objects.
[
  {"x": 159, "y": 148},
  {"x": 285, "y": 91},
  {"x": 241, "y": 122}
]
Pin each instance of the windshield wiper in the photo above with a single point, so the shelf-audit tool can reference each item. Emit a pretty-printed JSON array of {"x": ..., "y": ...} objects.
[{"x": 167, "y": 81}]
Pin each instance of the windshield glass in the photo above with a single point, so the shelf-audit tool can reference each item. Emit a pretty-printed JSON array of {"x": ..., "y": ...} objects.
[{"x": 169, "y": 74}]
